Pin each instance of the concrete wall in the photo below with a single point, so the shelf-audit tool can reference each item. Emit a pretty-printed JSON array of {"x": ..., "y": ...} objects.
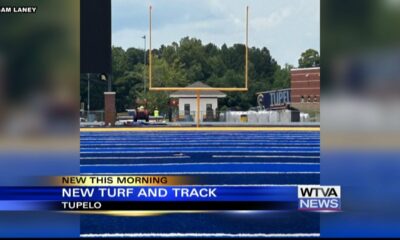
[{"x": 307, "y": 107}]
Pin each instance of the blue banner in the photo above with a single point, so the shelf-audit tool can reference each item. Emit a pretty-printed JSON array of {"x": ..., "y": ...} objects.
[{"x": 167, "y": 193}]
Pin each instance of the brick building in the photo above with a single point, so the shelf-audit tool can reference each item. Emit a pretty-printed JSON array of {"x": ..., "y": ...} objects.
[{"x": 305, "y": 88}]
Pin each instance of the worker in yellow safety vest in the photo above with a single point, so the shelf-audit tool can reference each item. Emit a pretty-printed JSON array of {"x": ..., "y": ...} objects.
[{"x": 156, "y": 113}]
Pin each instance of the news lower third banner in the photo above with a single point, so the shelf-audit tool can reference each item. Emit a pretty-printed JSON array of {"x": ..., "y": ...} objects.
[{"x": 163, "y": 193}]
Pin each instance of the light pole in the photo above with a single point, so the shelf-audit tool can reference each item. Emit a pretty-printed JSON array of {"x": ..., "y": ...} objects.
[{"x": 144, "y": 66}]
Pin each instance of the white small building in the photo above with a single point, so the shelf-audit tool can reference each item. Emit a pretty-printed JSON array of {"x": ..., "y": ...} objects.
[{"x": 188, "y": 102}]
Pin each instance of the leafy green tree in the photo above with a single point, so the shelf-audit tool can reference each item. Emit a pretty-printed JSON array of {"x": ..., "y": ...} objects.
[
  {"x": 134, "y": 56},
  {"x": 309, "y": 58},
  {"x": 119, "y": 61},
  {"x": 189, "y": 60},
  {"x": 282, "y": 77},
  {"x": 128, "y": 87}
]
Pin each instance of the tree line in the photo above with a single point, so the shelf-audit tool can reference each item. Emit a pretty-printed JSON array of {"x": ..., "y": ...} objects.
[{"x": 189, "y": 60}]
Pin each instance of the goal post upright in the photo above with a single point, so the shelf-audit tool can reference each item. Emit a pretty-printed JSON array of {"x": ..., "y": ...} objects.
[
  {"x": 198, "y": 108},
  {"x": 246, "y": 74},
  {"x": 150, "y": 50}
]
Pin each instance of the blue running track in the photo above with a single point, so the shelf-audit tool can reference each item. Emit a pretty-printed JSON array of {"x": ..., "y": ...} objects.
[{"x": 219, "y": 158}]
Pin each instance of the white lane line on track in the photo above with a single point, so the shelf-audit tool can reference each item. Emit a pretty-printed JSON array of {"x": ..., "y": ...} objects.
[
  {"x": 214, "y": 138},
  {"x": 194, "y": 173},
  {"x": 183, "y": 235},
  {"x": 261, "y": 156},
  {"x": 185, "y": 148},
  {"x": 185, "y": 157},
  {"x": 122, "y": 145},
  {"x": 219, "y": 139},
  {"x": 200, "y": 163},
  {"x": 201, "y": 134},
  {"x": 210, "y": 138},
  {"x": 155, "y": 157},
  {"x": 204, "y": 151}
]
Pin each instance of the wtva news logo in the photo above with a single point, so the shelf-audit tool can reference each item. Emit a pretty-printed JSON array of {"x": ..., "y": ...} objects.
[{"x": 319, "y": 198}]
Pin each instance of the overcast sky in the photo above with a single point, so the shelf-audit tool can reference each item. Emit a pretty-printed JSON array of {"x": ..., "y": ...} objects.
[{"x": 286, "y": 27}]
